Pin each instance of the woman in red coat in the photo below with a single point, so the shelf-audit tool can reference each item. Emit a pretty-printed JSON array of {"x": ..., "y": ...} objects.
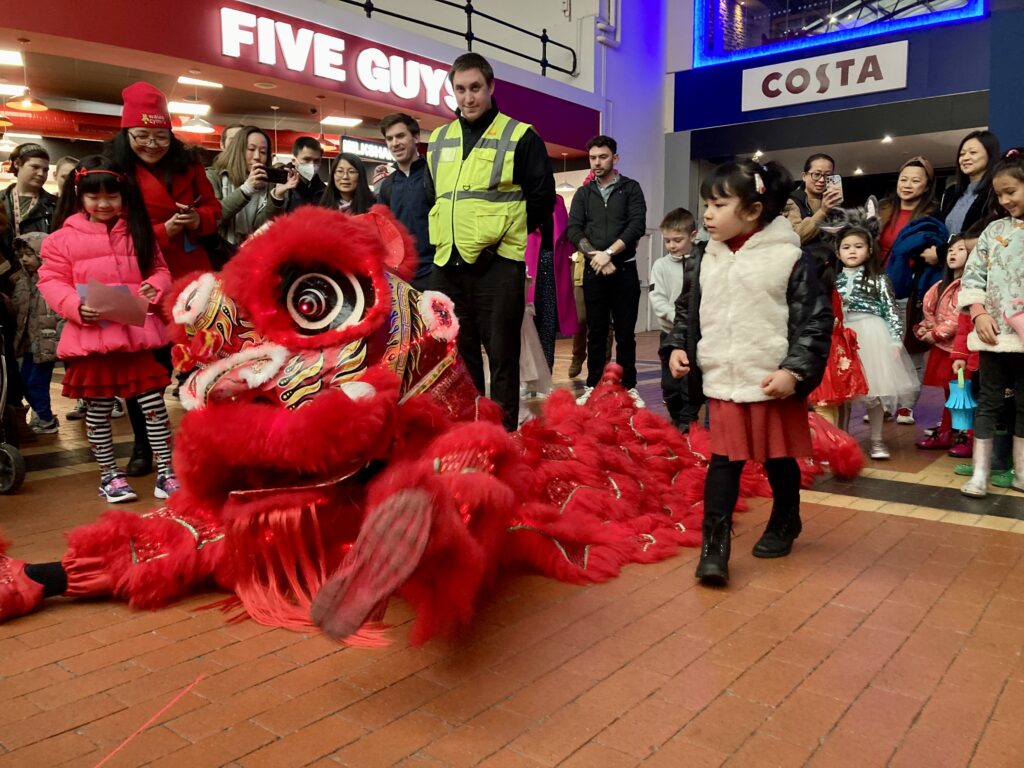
[{"x": 179, "y": 200}]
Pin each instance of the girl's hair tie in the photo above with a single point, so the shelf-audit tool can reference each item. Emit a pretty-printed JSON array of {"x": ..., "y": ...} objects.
[
  {"x": 759, "y": 184},
  {"x": 1012, "y": 153},
  {"x": 83, "y": 172}
]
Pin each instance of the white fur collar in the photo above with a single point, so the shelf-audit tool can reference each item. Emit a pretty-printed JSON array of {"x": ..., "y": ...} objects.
[{"x": 778, "y": 232}]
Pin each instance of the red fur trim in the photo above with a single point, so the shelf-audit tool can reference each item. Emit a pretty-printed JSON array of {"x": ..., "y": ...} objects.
[{"x": 400, "y": 255}]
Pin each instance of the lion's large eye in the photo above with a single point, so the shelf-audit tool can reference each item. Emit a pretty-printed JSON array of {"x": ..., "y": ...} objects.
[{"x": 319, "y": 302}]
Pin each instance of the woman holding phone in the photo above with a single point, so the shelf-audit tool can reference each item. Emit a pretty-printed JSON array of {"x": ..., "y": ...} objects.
[
  {"x": 239, "y": 179},
  {"x": 179, "y": 202}
]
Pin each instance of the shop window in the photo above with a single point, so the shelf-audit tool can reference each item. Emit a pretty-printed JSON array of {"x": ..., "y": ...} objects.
[{"x": 732, "y": 30}]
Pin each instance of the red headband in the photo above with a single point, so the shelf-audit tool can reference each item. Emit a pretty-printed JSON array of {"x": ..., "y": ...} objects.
[{"x": 82, "y": 172}]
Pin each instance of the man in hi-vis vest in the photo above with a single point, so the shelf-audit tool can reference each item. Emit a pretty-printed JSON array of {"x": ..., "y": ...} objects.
[{"x": 492, "y": 184}]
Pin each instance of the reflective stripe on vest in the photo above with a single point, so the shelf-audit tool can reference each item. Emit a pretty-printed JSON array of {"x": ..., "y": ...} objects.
[{"x": 476, "y": 203}]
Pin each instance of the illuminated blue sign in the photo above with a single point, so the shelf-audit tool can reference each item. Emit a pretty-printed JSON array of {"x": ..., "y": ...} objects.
[{"x": 723, "y": 29}]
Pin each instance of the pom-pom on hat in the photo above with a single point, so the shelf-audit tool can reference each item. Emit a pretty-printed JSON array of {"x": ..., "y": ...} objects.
[{"x": 145, "y": 106}]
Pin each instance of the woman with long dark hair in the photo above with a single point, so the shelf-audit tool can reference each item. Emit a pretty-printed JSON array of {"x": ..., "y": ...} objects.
[
  {"x": 349, "y": 189},
  {"x": 179, "y": 202},
  {"x": 965, "y": 203}
]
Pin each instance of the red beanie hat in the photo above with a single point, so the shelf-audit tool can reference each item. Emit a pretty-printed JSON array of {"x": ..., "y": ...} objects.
[{"x": 145, "y": 106}]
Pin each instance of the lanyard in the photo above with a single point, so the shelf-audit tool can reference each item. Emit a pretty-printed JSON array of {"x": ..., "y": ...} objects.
[{"x": 16, "y": 209}]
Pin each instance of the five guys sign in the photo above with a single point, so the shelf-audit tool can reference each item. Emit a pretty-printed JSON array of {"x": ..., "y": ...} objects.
[
  {"x": 349, "y": 64},
  {"x": 833, "y": 76}
]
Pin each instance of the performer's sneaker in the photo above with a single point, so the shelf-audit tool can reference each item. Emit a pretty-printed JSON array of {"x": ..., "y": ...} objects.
[
  {"x": 637, "y": 400},
  {"x": 166, "y": 486},
  {"x": 18, "y": 593},
  {"x": 582, "y": 399},
  {"x": 116, "y": 490},
  {"x": 878, "y": 451},
  {"x": 387, "y": 551},
  {"x": 78, "y": 412}
]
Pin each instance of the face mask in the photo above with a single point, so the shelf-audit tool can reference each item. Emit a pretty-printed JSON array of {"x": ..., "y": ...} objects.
[{"x": 306, "y": 170}]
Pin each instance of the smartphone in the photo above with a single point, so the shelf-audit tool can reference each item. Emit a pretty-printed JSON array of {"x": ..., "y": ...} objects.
[
  {"x": 835, "y": 182},
  {"x": 277, "y": 175},
  {"x": 192, "y": 205}
]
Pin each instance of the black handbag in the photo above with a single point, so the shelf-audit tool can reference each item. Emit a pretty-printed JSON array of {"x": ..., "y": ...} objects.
[{"x": 218, "y": 249}]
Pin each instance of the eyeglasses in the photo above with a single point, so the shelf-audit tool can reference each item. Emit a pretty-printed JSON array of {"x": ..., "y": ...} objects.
[
  {"x": 817, "y": 175},
  {"x": 150, "y": 140}
]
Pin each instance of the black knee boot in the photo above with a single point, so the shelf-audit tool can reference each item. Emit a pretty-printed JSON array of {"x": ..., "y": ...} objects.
[
  {"x": 141, "y": 462},
  {"x": 784, "y": 525},
  {"x": 721, "y": 489}
]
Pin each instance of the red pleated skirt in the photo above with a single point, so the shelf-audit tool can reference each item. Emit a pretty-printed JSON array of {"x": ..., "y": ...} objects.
[
  {"x": 115, "y": 374},
  {"x": 772, "y": 429},
  {"x": 938, "y": 371}
]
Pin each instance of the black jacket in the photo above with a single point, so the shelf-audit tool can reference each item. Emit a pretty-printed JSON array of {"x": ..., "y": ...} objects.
[
  {"x": 304, "y": 194},
  {"x": 406, "y": 196},
  {"x": 623, "y": 217},
  {"x": 810, "y": 324},
  {"x": 38, "y": 219}
]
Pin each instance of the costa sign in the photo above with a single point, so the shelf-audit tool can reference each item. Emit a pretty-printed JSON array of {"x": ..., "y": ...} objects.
[
  {"x": 834, "y": 76},
  {"x": 334, "y": 59}
]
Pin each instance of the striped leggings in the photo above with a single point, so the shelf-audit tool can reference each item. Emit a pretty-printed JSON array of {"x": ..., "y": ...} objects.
[{"x": 101, "y": 438}]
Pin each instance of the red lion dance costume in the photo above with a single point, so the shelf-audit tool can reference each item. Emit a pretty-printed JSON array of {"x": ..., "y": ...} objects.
[{"x": 335, "y": 452}]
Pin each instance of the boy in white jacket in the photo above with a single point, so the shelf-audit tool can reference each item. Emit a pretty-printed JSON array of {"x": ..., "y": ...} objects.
[{"x": 678, "y": 230}]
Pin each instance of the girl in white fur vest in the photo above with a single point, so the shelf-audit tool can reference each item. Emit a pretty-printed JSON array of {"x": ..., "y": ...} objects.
[{"x": 759, "y": 323}]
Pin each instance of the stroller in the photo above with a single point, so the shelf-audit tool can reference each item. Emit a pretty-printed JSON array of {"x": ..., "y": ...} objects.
[{"x": 12, "y": 463}]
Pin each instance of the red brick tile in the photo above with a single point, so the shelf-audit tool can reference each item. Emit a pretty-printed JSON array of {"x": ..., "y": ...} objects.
[
  {"x": 699, "y": 684},
  {"x": 459, "y": 704},
  {"x": 294, "y": 714},
  {"x": 645, "y": 727},
  {"x": 742, "y": 648},
  {"x": 52, "y": 751},
  {"x": 224, "y": 713},
  {"x": 896, "y": 617},
  {"x": 220, "y": 749},
  {"x": 681, "y": 751},
  {"x": 604, "y": 657},
  {"x": 835, "y": 620},
  {"x": 107, "y": 732},
  {"x": 153, "y": 684},
  {"x": 726, "y": 723},
  {"x": 766, "y": 751},
  {"x": 223, "y": 685},
  {"x": 769, "y": 681},
  {"x": 844, "y": 748},
  {"x": 140, "y": 625},
  {"x": 624, "y": 689},
  {"x": 508, "y": 758},
  {"x": 563, "y": 733},
  {"x": 57, "y": 720},
  {"x": 1004, "y": 610},
  {"x": 533, "y": 662},
  {"x": 804, "y": 718},
  {"x": 483, "y": 735},
  {"x": 311, "y": 675},
  {"x": 113, "y": 653},
  {"x": 671, "y": 655},
  {"x": 153, "y": 743},
  {"x": 199, "y": 645},
  {"x": 86, "y": 685},
  {"x": 390, "y": 669},
  {"x": 914, "y": 591},
  {"x": 394, "y": 741},
  {"x": 806, "y": 648},
  {"x": 912, "y": 675},
  {"x": 391, "y": 703},
  {"x": 598, "y": 754},
  {"x": 33, "y": 680},
  {"x": 548, "y": 693},
  {"x": 882, "y": 715},
  {"x": 34, "y": 658},
  {"x": 1001, "y": 746},
  {"x": 316, "y": 740},
  {"x": 715, "y": 625}
]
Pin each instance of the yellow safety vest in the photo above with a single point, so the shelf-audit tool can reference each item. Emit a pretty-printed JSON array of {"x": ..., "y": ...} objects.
[{"x": 476, "y": 204}]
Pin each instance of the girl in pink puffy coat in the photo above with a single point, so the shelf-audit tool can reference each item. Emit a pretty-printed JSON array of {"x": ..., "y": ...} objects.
[{"x": 106, "y": 238}]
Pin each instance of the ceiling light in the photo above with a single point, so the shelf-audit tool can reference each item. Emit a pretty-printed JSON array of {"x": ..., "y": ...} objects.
[
  {"x": 343, "y": 122},
  {"x": 196, "y": 125},
  {"x": 565, "y": 186},
  {"x": 26, "y": 103},
  {"x": 10, "y": 59},
  {"x": 193, "y": 108},
  {"x": 27, "y": 136},
  {"x": 887, "y": 139},
  {"x": 12, "y": 90},
  {"x": 200, "y": 83},
  {"x": 858, "y": 171},
  {"x": 758, "y": 155}
]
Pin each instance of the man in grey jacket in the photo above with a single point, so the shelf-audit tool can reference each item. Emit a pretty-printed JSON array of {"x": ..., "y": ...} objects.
[{"x": 607, "y": 218}]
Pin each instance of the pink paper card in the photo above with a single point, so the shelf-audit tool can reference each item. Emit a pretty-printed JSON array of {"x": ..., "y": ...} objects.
[{"x": 116, "y": 303}]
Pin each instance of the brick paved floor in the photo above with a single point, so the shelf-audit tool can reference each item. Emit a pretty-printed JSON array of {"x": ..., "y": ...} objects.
[{"x": 892, "y": 636}]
